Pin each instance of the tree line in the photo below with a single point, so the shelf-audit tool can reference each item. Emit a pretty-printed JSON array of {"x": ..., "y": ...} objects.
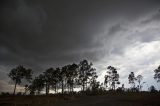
[{"x": 69, "y": 77}]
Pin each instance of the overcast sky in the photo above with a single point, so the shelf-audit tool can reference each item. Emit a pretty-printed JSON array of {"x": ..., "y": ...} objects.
[{"x": 48, "y": 33}]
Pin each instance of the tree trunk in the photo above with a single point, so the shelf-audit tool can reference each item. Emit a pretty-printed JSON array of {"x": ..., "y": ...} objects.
[
  {"x": 114, "y": 87},
  {"x": 72, "y": 89},
  {"x": 55, "y": 88},
  {"x": 86, "y": 84},
  {"x": 46, "y": 88},
  {"x": 25, "y": 91},
  {"x": 68, "y": 88},
  {"x": 83, "y": 86},
  {"x": 38, "y": 92},
  {"x": 15, "y": 88},
  {"x": 139, "y": 87},
  {"x": 62, "y": 87}
]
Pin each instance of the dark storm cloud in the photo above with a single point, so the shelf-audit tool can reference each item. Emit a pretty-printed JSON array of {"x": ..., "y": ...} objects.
[
  {"x": 45, "y": 33},
  {"x": 154, "y": 17}
]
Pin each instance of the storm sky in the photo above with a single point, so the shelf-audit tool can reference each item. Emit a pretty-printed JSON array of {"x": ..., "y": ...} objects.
[{"x": 49, "y": 33}]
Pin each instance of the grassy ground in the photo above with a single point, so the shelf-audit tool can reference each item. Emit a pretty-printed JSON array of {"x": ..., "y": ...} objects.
[{"x": 118, "y": 99}]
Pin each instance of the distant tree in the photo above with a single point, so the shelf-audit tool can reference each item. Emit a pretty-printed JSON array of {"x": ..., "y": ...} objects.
[
  {"x": 55, "y": 79},
  {"x": 5, "y": 94},
  {"x": 19, "y": 93},
  {"x": 72, "y": 74},
  {"x": 112, "y": 77},
  {"x": 132, "y": 79},
  {"x": 26, "y": 89},
  {"x": 19, "y": 73},
  {"x": 152, "y": 89},
  {"x": 86, "y": 73},
  {"x": 48, "y": 78},
  {"x": 63, "y": 76},
  {"x": 122, "y": 85},
  {"x": 95, "y": 85},
  {"x": 139, "y": 79},
  {"x": 157, "y": 74},
  {"x": 37, "y": 84},
  {"x": 32, "y": 89},
  {"x": 28, "y": 75},
  {"x": 121, "y": 89}
]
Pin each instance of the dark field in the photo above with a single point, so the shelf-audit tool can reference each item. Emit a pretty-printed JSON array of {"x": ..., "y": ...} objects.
[{"x": 125, "y": 99}]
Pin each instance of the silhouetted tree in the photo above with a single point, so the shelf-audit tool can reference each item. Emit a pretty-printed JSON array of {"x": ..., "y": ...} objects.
[
  {"x": 55, "y": 79},
  {"x": 132, "y": 79},
  {"x": 26, "y": 89},
  {"x": 32, "y": 89},
  {"x": 112, "y": 77},
  {"x": 86, "y": 72},
  {"x": 63, "y": 76},
  {"x": 37, "y": 84},
  {"x": 72, "y": 74},
  {"x": 28, "y": 75},
  {"x": 95, "y": 85},
  {"x": 139, "y": 79},
  {"x": 5, "y": 94},
  {"x": 157, "y": 74},
  {"x": 152, "y": 89},
  {"x": 123, "y": 88},
  {"x": 19, "y": 73},
  {"x": 48, "y": 78}
]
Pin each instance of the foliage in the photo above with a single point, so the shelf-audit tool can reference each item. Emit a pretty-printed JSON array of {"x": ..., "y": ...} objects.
[
  {"x": 152, "y": 89},
  {"x": 37, "y": 84},
  {"x": 19, "y": 73},
  {"x": 74, "y": 75},
  {"x": 5, "y": 94},
  {"x": 48, "y": 78},
  {"x": 112, "y": 78},
  {"x": 157, "y": 74},
  {"x": 86, "y": 74},
  {"x": 56, "y": 79},
  {"x": 63, "y": 76},
  {"x": 132, "y": 79},
  {"x": 139, "y": 79}
]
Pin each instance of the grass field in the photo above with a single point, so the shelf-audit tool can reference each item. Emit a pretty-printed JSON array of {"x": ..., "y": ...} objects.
[{"x": 118, "y": 99}]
